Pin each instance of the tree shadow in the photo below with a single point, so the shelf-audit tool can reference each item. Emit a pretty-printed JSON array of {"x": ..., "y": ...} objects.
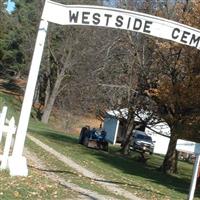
[
  {"x": 129, "y": 184},
  {"x": 55, "y": 135},
  {"x": 12, "y": 87},
  {"x": 87, "y": 196},
  {"x": 52, "y": 170},
  {"x": 132, "y": 167},
  {"x": 60, "y": 182}
]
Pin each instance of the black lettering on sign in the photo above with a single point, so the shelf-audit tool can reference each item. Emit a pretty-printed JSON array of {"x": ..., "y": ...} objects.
[
  {"x": 195, "y": 40},
  {"x": 119, "y": 21},
  {"x": 175, "y": 33},
  {"x": 85, "y": 17},
  {"x": 147, "y": 26},
  {"x": 96, "y": 18},
  {"x": 73, "y": 17},
  {"x": 108, "y": 17},
  {"x": 129, "y": 20},
  {"x": 137, "y": 24},
  {"x": 184, "y": 36}
]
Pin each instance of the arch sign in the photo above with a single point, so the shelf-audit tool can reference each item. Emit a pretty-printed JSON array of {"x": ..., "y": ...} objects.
[
  {"x": 89, "y": 16},
  {"x": 121, "y": 19}
]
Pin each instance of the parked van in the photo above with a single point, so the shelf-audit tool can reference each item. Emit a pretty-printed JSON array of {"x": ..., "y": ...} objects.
[{"x": 141, "y": 142}]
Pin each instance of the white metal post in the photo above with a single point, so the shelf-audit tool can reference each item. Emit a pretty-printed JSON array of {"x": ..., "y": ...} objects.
[
  {"x": 17, "y": 163},
  {"x": 2, "y": 120},
  {"x": 194, "y": 177}
]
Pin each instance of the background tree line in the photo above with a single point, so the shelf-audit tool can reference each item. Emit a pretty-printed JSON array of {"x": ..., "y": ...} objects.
[{"x": 86, "y": 69}]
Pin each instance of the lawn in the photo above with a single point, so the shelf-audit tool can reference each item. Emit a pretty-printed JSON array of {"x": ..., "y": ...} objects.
[
  {"x": 35, "y": 186},
  {"x": 143, "y": 180},
  {"x": 67, "y": 173}
]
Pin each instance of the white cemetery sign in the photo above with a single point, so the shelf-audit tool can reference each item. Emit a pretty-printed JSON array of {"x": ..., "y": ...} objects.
[
  {"x": 121, "y": 19},
  {"x": 91, "y": 16},
  {"x": 191, "y": 148}
]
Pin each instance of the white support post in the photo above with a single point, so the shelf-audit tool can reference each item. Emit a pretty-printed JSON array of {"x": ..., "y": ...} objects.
[
  {"x": 17, "y": 163},
  {"x": 2, "y": 120},
  {"x": 194, "y": 177},
  {"x": 9, "y": 133}
]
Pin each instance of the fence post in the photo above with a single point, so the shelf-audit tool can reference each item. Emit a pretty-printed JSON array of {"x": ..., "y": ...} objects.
[
  {"x": 194, "y": 177},
  {"x": 10, "y": 131},
  {"x": 2, "y": 120}
]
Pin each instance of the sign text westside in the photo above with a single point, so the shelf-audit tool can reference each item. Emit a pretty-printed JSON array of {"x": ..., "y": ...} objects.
[{"x": 121, "y": 19}]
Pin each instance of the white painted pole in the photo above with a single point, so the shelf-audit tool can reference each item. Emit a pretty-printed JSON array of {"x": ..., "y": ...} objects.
[
  {"x": 17, "y": 163},
  {"x": 30, "y": 89},
  {"x": 2, "y": 120},
  {"x": 194, "y": 177},
  {"x": 11, "y": 130}
]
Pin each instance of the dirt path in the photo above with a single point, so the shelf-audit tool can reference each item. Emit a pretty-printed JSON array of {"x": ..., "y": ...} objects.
[{"x": 99, "y": 180}]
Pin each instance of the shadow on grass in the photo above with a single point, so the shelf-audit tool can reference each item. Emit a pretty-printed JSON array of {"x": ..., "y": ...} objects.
[
  {"x": 88, "y": 196},
  {"x": 60, "y": 182},
  {"x": 150, "y": 173},
  {"x": 11, "y": 86},
  {"x": 54, "y": 135},
  {"x": 138, "y": 187},
  {"x": 129, "y": 166},
  {"x": 51, "y": 170}
]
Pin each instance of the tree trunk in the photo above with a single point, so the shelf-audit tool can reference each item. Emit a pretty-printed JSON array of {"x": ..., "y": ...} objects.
[
  {"x": 128, "y": 132},
  {"x": 169, "y": 164},
  {"x": 47, "y": 92},
  {"x": 50, "y": 102},
  {"x": 60, "y": 76}
]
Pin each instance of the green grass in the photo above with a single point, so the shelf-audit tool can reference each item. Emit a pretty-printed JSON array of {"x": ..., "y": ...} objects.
[
  {"x": 13, "y": 105},
  {"x": 67, "y": 173},
  {"x": 144, "y": 180},
  {"x": 35, "y": 186}
]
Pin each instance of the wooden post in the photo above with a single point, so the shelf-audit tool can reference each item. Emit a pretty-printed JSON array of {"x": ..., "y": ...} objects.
[
  {"x": 2, "y": 120},
  {"x": 9, "y": 133}
]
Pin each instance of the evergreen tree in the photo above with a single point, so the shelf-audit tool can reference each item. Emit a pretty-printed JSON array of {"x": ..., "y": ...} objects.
[{"x": 19, "y": 37}]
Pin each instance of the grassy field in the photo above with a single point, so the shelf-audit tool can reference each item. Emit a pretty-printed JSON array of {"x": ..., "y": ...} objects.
[
  {"x": 35, "y": 186},
  {"x": 67, "y": 173},
  {"x": 144, "y": 180}
]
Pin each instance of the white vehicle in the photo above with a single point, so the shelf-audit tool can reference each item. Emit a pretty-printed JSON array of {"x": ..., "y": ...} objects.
[{"x": 141, "y": 142}]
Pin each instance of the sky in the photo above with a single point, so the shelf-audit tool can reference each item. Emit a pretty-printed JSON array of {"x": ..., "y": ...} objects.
[{"x": 10, "y": 6}]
